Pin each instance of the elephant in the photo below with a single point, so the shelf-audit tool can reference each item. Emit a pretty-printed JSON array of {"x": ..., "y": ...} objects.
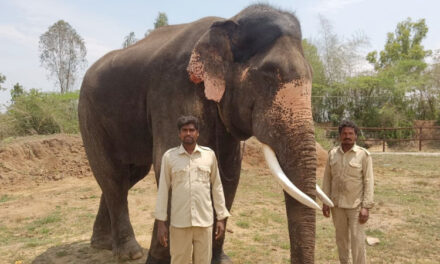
[{"x": 241, "y": 77}]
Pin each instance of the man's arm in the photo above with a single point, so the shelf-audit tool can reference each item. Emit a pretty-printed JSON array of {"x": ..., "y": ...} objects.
[
  {"x": 218, "y": 199},
  {"x": 326, "y": 186},
  {"x": 162, "y": 202},
  {"x": 368, "y": 187}
]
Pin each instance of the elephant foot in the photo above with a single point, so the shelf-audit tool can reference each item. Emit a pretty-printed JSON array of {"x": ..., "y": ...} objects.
[
  {"x": 102, "y": 242},
  {"x": 153, "y": 260},
  {"x": 221, "y": 258},
  {"x": 128, "y": 250}
]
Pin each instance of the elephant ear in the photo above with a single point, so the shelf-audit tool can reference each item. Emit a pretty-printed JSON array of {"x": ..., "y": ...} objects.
[{"x": 211, "y": 58}]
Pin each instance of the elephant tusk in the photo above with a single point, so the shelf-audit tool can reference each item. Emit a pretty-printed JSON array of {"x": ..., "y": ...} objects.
[
  {"x": 282, "y": 179},
  {"x": 323, "y": 197}
]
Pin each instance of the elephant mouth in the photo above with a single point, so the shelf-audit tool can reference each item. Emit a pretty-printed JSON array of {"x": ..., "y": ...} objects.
[{"x": 288, "y": 186}]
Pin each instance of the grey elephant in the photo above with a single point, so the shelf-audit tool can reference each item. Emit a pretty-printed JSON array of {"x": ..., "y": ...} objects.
[{"x": 242, "y": 77}]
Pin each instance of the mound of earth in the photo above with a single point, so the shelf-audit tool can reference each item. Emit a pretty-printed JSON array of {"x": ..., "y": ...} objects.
[
  {"x": 54, "y": 157},
  {"x": 43, "y": 158}
]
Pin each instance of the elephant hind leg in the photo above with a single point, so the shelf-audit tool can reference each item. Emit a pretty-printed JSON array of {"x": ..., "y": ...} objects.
[
  {"x": 102, "y": 235},
  {"x": 112, "y": 228}
]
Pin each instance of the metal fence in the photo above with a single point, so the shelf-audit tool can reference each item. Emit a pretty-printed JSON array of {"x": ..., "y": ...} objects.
[{"x": 392, "y": 134}]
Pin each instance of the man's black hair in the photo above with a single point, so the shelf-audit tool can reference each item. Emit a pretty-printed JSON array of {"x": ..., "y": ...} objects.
[
  {"x": 348, "y": 123},
  {"x": 186, "y": 120}
]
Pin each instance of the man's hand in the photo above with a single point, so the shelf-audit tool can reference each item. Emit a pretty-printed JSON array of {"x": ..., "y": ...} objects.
[
  {"x": 219, "y": 229},
  {"x": 162, "y": 233},
  {"x": 326, "y": 210},
  {"x": 363, "y": 215}
]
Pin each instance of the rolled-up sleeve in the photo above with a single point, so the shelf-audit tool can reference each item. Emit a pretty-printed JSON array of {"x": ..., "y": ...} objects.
[
  {"x": 368, "y": 184},
  {"x": 217, "y": 192},
  {"x": 164, "y": 187}
]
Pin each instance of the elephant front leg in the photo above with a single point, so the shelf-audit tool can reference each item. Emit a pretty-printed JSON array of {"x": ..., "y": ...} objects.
[
  {"x": 102, "y": 232},
  {"x": 229, "y": 156},
  {"x": 158, "y": 254}
]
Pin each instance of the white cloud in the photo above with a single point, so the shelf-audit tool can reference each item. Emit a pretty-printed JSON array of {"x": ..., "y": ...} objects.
[{"x": 16, "y": 35}]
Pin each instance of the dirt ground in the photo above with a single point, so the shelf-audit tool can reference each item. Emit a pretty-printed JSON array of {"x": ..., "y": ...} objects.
[
  {"x": 49, "y": 200},
  {"x": 47, "y": 188}
]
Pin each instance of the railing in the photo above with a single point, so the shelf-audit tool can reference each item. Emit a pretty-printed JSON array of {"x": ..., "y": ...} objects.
[{"x": 416, "y": 134}]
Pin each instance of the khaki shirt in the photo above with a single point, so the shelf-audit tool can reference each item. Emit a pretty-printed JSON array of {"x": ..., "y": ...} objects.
[
  {"x": 348, "y": 178},
  {"x": 191, "y": 178}
]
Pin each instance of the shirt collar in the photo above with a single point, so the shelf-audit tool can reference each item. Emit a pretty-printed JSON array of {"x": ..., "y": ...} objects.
[
  {"x": 182, "y": 150},
  {"x": 355, "y": 148}
]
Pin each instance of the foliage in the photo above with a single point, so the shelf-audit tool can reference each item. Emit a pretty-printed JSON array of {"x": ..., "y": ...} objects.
[
  {"x": 312, "y": 56},
  {"x": 401, "y": 89},
  {"x": 16, "y": 92},
  {"x": 322, "y": 138},
  {"x": 63, "y": 53},
  {"x": 129, "y": 40},
  {"x": 319, "y": 80},
  {"x": 35, "y": 112},
  {"x": 2, "y": 80},
  {"x": 161, "y": 20},
  {"x": 341, "y": 58},
  {"x": 403, "y": 44},
  {"x": 334, "y": 61},
  {"x": 403, "y": 63}
]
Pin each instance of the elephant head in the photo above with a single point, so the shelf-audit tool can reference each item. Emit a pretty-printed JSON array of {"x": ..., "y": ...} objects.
[{"x": 253, "y": 67}]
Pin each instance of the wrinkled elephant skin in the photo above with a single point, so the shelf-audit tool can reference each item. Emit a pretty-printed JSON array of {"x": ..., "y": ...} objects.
[{"x": 244, "y": 76}]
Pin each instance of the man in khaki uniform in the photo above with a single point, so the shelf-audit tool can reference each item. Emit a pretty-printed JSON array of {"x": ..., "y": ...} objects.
[
  {"x": 191, "y": 172},
  {"x": 348, "y": 181}
]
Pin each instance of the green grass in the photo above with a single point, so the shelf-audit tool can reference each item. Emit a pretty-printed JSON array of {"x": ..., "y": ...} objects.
[
  {"x": 4, "y": 198},
  {"x": 405, "y": 219}
]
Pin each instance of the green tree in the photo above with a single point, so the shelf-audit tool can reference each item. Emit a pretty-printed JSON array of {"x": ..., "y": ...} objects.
[
  {"x": 312, "y": 56},
  {"x": 2, "y": 80},
  {"x": 319, "y": 80},
  {"x": 129, "y": 40},
  {"x": 161, "y": 20},
  {"x": 16, "y": 91},
  {"x": 342, "y": 58},
  {"x": 403, "y": 62},
  {"x": 63, "y": 53},
  {"x": 404, "y": 44}
]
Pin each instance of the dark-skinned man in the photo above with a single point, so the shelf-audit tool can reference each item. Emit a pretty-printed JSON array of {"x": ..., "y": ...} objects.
[
  {"x": 191, "y": 172},
  {"x": 349, "y": 182}
]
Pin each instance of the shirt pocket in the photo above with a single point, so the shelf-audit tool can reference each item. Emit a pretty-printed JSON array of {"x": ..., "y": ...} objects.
[
  {"x": 203, "y": 174},
  {"x": 354, "y": 169},
  {"x": 179, "y": 174}
]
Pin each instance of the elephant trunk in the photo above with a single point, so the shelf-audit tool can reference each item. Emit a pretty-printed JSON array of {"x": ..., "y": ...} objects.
[
  {"x": 292, "y": 138},
  {"x": 296, "y": 154},
  {"x": 297, "y": 159},
  {"x": 301, "y": 170}
]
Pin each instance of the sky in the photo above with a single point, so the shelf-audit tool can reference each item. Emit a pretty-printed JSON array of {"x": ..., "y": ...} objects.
[{"x": 103, "y": 24}]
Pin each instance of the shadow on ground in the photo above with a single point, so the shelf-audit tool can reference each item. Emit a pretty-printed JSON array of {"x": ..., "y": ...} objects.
[{"x": 81, "y": 252}]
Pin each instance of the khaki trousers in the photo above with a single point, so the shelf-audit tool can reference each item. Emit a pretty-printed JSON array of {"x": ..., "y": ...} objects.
[
  {"x": 195, "y": 240},
  {"x": 349, "y": 234}
]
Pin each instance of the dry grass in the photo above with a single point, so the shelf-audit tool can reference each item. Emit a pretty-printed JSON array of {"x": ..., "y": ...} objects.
[{"x": 51, "y": 222}]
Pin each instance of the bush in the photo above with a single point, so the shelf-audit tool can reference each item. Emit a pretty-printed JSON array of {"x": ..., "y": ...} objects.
[
  {"x": 322, "y": 139},
  {"x": 35, "y": 112}
]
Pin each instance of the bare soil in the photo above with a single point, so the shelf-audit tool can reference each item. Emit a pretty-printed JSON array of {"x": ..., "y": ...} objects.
[{"x": 50, "y": 198}]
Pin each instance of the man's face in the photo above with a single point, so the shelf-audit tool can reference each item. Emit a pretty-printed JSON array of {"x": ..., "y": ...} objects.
[
  {"x": 188, "y": 134},
  {"x": 347, "y": 136}
]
